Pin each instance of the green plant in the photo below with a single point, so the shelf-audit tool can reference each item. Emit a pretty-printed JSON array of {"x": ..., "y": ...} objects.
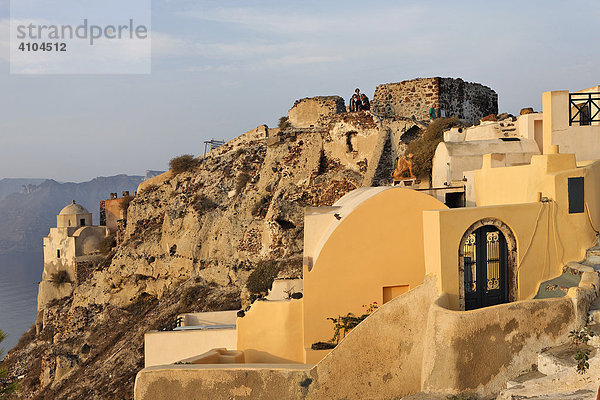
[
  {"x": 203, "y": 204},
  {"x": 322, "y": 346},
  {"x": 106, "y": 244},
  {"x": 261, "y": 279},
  {"x": 183, "y": 163},
  {"x": 283, "y": 123},
  {"x": 342, "y": 324},
  {"x": 581, "y": 336},
  {"x": 424, "y": 147},
  {"x": 240, "y": 182},
  {"x": 60, "y": 277},
  {"x": 5, "y": 388},
  {"x": 582, "y": 356}
]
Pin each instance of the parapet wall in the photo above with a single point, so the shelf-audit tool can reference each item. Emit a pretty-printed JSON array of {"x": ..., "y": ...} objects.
[
  {"x": 412, "y": 343},
  {"x": 311, "y": 111},
  {"x": 449, "y": 96}
]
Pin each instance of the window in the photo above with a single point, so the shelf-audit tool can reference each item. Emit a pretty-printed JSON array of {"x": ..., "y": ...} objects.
[
  {"x": 455, "y": 199},
  {"x": 390, "y": 292},
  {"x": 82, "y": 222},
  {"x": 57, "y": 253},
  {"x": 576, "y": 195},
  {"x": 584, "y": 115}
]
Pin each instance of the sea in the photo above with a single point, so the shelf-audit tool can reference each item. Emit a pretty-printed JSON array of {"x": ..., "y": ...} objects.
[{"x": 19, "y": 277}]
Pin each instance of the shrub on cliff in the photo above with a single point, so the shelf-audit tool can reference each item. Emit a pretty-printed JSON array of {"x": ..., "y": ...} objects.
[
  {"x": 283, "y": 123},
  {"x": 203, "y": 204},
  {"x": 423, "y": 148},
  {"x": 60, "y": 277},
  {"x": 5, "y": 388},
  {"x": 183, "y": 163},
  {"x": 261, "y": 279},
  {"x": 240, "y": 183}
]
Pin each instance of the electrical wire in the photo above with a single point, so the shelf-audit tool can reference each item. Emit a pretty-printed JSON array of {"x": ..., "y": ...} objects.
[
  {"x": 587, "y": 209},
  {"x": 557, "y": 236},
  {"x": 537, "y": 221}
]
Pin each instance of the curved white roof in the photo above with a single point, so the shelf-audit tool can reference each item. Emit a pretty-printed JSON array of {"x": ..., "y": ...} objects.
[{"x": 73, "y": 209}]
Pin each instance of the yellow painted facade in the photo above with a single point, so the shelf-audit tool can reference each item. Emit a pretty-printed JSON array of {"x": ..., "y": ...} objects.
[
  {"x": 376, "y": 244},
  {"x": 271, "y": 332},
  {"x": 583, "y": 141}
]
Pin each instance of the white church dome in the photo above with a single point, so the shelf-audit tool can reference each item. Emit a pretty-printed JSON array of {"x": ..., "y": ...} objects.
[{"x": 73, "y": 209}]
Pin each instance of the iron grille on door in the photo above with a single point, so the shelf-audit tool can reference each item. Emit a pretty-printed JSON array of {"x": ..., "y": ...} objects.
[{"x": 485, "y": 268}]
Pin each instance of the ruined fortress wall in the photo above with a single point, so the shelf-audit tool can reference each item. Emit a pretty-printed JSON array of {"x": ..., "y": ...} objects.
[
  {"x": 311, "y": 111},
  {"x": 468, "y": 101},
  {"x": 449, "y": 96},
  {"x": 410, "y": 99}
]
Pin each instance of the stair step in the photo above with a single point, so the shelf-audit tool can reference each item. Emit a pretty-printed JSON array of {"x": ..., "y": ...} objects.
[
  {"x": 595, "y": 340},
  {"x": 592, "y": 259},
  {"x": 556, "y": 360},
  {"x": 528, "y": 376},
  {"x": 576, "y": 268}
]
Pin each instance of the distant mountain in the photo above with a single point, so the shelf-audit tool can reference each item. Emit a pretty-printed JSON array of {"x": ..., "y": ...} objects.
[
  {"x": 10, "y": 186},
  {"x": 25, "y": 218}
]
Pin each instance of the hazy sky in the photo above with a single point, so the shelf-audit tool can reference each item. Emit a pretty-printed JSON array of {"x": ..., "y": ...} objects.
[{"x": 221, "y": 68}]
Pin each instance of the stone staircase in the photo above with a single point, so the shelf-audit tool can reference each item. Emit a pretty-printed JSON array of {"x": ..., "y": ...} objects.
[
  {"x": 592, "y": 257},
  {"x": 555, "y": 375}
]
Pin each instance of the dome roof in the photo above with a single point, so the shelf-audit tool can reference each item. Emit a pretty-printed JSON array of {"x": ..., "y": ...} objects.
[{"x": 73, "y": 208}]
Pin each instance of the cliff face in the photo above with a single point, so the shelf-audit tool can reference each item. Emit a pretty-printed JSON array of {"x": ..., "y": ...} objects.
[{"x": 191, "y": 242}]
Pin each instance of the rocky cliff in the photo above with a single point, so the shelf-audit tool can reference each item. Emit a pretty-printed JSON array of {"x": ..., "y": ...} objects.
[{"x": 191, "y": 241}]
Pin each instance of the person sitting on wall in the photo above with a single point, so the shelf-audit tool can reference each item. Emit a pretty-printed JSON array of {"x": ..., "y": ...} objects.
[
  {"x": 432, "y": 114},
  {"x": 366, "y": 105},
  {"x": 355, "y": 102},
  {"x": 404, "y": 164}
]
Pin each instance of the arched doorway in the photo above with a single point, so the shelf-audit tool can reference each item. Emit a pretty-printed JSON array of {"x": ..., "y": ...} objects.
[{"x": 487, "y": 259}]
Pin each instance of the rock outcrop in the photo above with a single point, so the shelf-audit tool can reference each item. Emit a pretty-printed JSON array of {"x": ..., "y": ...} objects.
[{"x": 192, "y": 240}]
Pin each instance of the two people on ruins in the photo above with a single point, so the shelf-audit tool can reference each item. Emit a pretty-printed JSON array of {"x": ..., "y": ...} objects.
[{"x": 359, "y": 101}]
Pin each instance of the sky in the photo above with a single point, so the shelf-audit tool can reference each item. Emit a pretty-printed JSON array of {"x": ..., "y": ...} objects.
[{"x": 220, "y": 68}]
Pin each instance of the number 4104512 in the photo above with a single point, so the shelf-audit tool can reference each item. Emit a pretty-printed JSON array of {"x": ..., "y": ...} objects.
[{"x": 45, "y": 46}]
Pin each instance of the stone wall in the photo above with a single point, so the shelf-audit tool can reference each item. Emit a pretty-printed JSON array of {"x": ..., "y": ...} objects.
[
  {"x": 468, "y": 101},
  {"x": 83, "y": 270},
  {"x": 313, "y": 111},
  {"x": 449, "y": 96},
  {"x": 411, "y": 99},
  {"x": 412, "y": 343}
]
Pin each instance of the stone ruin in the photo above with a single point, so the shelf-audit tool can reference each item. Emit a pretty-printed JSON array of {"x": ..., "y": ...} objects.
[
  {"x": 372, "y": 141},
  {"x": 312, "y": 111},
  {"x": 409, "y": 99},
  {"x": 449, "y": 96}
]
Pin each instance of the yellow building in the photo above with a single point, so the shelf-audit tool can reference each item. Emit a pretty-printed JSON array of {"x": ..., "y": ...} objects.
[{"x": 452, "y": 285}]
